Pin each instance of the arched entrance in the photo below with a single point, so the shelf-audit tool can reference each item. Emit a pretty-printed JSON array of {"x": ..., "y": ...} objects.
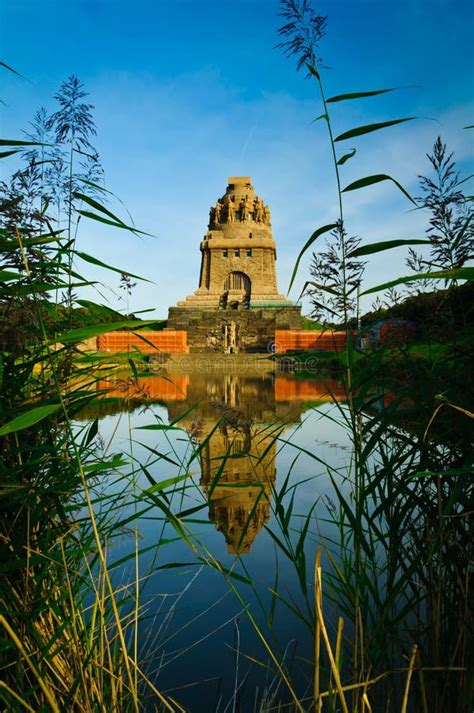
[{"x": 237, "y": 288}]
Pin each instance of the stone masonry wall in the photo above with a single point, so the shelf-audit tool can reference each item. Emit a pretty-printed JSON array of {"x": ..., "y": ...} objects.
[{"x": 254, "y": 329}]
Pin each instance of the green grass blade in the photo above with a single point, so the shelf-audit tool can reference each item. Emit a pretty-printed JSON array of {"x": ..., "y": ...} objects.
[
  {"x": 313, "y": 70},
  {"x": 346, "y": 157},
  {"x": 357, "y": 95},
  {"x": 94, "y": 330},
  {"x": 6, "y": 276},
  {"x": 13, "y": 142},
  {"x": 99, "y": 263},
  {"x": 461, "y": 273},
  {"x": 25, "y": 420},
  {"x": 314, "y": 236},
  {"x": 376, "y": 178},
  {"x": 369, "y": 128},
  {"x": 113, "y": 223},
  {"x": 10, "y": 69},
  {"x": 385, "y": 245}
]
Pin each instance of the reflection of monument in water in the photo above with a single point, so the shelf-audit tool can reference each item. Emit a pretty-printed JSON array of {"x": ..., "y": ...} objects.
[
  {"x": 236, "y": 420},
  {"x": 238, "y": 472},
  {"x": 237, "y": 306},
  {"x": 241, "y": 418},
  {"x": 233, "y": 422}
]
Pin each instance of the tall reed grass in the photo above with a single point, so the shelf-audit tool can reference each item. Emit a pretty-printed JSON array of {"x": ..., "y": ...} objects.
[{"x": 400, "y": 571}]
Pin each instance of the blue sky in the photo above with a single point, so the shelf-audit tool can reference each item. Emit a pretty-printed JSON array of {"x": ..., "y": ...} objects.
[{"x": 187, "y": 93}]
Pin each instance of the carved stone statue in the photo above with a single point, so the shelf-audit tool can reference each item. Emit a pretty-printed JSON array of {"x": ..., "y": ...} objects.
[
  {"x": 244, "y": 209},
  {"x": 230, "y": 211},
  {"x": 266, "y": 215},
  {"x": 230, "y": 338},
  {"x": 258, "y": 210},
  {"x": 212, "y": 214},
  {"x": 217, "y": 213}
]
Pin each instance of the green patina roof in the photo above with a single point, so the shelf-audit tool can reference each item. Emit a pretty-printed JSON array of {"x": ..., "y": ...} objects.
[{"x": 274, "y": 303}]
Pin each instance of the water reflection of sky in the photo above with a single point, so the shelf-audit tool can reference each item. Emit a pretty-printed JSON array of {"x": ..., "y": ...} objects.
[{"x": 268, "y": 428}]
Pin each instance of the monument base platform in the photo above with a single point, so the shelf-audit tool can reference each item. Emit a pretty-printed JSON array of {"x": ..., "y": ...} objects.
[{"x": 229, "y": 331}]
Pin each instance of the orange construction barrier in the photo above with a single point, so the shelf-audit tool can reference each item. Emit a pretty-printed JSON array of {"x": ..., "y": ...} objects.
[
  {"x": 289, "y": 340},
  {"x": 166, "y": 342},
  {"x": 154, "y": 388},
  {"x": 308, "y": 390}
]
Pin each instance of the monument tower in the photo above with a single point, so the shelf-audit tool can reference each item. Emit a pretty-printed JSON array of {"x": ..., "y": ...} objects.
[{"x": 237, "y": 306}]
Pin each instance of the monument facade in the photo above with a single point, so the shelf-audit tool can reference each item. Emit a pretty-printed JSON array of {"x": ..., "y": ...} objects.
[{"x": 237, "y": 306}]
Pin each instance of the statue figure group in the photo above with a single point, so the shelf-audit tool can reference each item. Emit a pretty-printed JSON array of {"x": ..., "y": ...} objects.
[
  {"x": 226, "y": 212},
  {"x": 244, "y": 209},
  {"x": 261, "y": 213}
]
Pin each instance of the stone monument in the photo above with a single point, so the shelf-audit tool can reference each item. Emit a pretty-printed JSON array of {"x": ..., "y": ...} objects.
[{"x": 237, "y": 306}]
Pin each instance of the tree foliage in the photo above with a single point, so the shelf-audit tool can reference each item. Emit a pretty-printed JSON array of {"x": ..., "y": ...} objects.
[
  {"x": 451, "y": 228},
  {"x": 336, "y": 278}
]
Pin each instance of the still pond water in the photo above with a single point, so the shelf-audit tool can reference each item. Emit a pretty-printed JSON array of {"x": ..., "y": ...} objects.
[{"x": 237, "y": 441}]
